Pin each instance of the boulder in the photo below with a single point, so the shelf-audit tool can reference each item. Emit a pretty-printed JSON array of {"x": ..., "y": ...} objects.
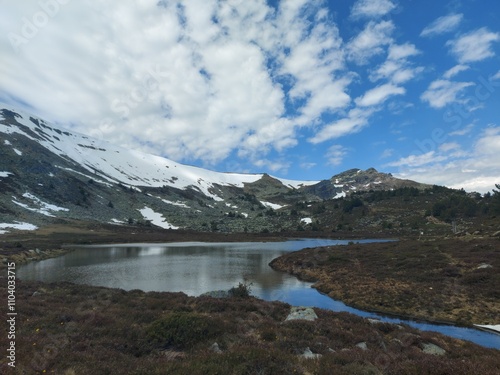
[
  {"x": 301, "y": 313},
  {"x": 362, "y": 345},
  {"x": 433, "y": 349},
  {"x": 215, "y": 348},
  {"x": 310, "y": 355}
]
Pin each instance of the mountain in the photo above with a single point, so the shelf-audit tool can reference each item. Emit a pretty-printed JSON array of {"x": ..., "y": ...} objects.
[{"x": 48, "y": 173}]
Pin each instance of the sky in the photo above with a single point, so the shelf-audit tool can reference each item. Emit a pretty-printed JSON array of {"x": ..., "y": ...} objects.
[{"x": 299, "y": 89}]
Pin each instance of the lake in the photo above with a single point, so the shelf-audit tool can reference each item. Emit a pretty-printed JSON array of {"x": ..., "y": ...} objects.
[{"x": 195, "y": 268}]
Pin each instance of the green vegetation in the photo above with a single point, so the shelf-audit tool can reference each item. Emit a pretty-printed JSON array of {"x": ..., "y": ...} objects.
[{"x": 183, "y": 330}]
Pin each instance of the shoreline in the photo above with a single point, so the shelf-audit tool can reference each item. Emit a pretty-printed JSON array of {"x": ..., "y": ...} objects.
[
  {"x": 343, "y": 275},
  {"x": 38, "y": 255},
  {"x": 23, "y": 256}
]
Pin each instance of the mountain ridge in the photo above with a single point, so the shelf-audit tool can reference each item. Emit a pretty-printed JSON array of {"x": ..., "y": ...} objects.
[{"x": 48, "y": 172}]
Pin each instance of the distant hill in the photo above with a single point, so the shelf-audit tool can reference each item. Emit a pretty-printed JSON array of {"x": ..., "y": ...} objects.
[{"x": 48, "y": 174}]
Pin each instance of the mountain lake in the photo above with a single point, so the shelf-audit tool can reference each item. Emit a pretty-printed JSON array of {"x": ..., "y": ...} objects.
[{"x": 196, "y": 268}]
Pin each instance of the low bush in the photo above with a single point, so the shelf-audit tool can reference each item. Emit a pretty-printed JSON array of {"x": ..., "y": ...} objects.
[{"x": 183, "y": 330}]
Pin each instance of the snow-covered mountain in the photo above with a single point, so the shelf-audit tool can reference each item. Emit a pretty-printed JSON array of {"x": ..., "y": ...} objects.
[{"x": 47, "y": 172}]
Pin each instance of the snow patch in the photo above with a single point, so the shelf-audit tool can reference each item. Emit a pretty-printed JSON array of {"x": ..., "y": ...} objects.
[
  {"x": 179, "y": 204},
  {"x": 296, "y": 184},
  {"x": 156, "y": 218},
  {"x": 133, "y": 168},
  {"x": 244, "y": 214},
  {"x": 7, "y": 143},
  {"x": 495, "y": 327},
  {"x": 306, "y": 220},
  {"x": 18, "y": 152},
  {"x": 274, "y": 206},
  {"x": 340, "y": 195},
  {"x": 5, "y": 174},
  {"x": 18, "y": 226},
  {"x": 42, "y": 207}
]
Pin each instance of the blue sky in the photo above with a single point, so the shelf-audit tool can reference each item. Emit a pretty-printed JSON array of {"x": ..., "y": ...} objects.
[{"x": 299, "y": 89}]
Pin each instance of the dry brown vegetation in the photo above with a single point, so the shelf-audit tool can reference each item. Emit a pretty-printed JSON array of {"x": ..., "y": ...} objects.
[
  {"x": 75, "y": 329},
  {"x": 444, "y": 280}
]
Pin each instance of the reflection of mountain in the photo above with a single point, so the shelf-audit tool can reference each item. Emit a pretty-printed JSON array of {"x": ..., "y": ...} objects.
[{"x": 191, "y": 269}]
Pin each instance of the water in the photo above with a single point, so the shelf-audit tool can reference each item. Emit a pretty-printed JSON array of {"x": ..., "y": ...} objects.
[{"x": 195, "y": 268}]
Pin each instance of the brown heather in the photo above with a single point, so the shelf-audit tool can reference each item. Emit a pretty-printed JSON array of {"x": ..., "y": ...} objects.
[{"x": 69, "y": 329}]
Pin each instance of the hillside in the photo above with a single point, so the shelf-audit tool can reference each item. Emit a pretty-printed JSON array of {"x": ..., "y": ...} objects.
[{"x": 49, "y": 174}]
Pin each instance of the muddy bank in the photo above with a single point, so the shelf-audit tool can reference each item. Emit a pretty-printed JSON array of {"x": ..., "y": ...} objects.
[{"x": 453, "y": 280}]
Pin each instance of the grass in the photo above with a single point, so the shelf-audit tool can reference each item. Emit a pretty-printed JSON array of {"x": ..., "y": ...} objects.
[
  {"x": 77, "y": 329},
  {"x": 436, "y": 280}
]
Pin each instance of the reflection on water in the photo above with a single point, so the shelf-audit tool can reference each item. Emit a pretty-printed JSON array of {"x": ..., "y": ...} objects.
[{"x": 195, "y": 268}]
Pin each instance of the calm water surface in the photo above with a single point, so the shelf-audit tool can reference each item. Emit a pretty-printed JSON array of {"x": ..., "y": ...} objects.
[{"x": 195, "y": 268}]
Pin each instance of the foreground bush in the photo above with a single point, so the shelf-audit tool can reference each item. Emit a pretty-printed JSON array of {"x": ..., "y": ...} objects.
[{"x": 183, "y": 330}]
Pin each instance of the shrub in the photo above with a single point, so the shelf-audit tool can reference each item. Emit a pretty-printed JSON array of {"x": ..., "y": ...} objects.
[
  {"x": 183, "y": 330},
  {"x": 241, "y": 291}
]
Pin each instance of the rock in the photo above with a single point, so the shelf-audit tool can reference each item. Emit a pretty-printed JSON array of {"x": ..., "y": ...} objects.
[
  {"x": 362, "y": 345},
  {"x": 374, "y": 321},
  {"x": 310, "y": 355},
  {"x": 215, "y": 348},
  {"x": 484, "y": 265},
  {"x": 301, "y": 312},
  {"x": 433, "y": 349},
  {"x": 35, "y": 293},
  {"x": 37, "y": 250}
]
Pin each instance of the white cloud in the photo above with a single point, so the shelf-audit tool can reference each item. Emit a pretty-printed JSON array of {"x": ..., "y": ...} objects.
[
  {"x": 455, "y": 70},
  {"x": 443, "y": 92},
  {"x": 465, "y": 130},
  {"x": 273, "y": 165},
  {"x": 396, "y": 67},
  {"x": 445, "y": 147},
  {"x": 474, "y": 46},
  {"x": 352, "y": 123},
  {"x": 489, "y": 143},
  {"x": 336, "y": 154},
  {"x": 371, "y": 8},
  {"x": 369, "y": 41},
  {"x": 402, "y": 51},
  {"x": 379, "y": 94},
  {"x": 193, "y": 80},
  {"x": 496, "y": 76},
  {"x": 387, "y": 153},
  {"x": 477, "y": 170},
  {"x": 442, "y": 25},
  {"x": 417, "y": 160},
  {"x": 307, "y": 165}
]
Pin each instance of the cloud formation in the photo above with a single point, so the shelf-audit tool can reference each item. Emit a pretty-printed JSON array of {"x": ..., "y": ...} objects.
[
  {"x": 371, "y": 8},
  {"x": 474, "y": 46},
  {"x": 251, "y": 85},
  {"x": 474, "y": 171},
  {"x": 442, "y": 25},
  {"x": 442, "y": 92}
]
